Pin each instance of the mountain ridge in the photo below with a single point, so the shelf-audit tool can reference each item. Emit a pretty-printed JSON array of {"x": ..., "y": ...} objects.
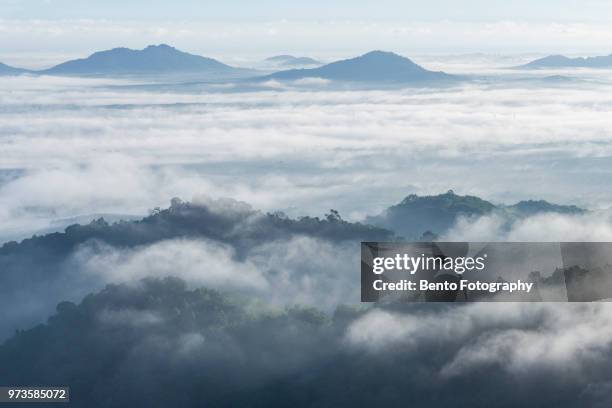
[
  {"x": 416, "y": 215},
  {"x": 10, "y": 70},
  {"x": 165, "y": 60},
  {"x": 561, "y": 61},
  {"x": 290, "y": 60},
  {"x": 374, "y": 66},
  {"x": 153, "y": 59}
]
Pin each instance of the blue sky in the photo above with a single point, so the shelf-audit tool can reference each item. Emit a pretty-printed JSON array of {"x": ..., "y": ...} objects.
[
  {"x": 42, "y": 32},
  {"x": 431, "y": 10}
]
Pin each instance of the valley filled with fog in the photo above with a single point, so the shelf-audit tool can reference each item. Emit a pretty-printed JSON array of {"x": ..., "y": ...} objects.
[
  {"x": 156, "y": 232},
  {"x": 119, "y": 147}
]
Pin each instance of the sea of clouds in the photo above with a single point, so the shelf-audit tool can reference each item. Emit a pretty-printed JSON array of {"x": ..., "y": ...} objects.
[{"x": 76, "y": 147}]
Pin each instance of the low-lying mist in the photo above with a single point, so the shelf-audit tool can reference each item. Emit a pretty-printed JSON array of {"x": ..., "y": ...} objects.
[
  {"x": 117, "y": 148},
  {"x": 159, "y": 343},
  {"x": 227, "y": 245}
]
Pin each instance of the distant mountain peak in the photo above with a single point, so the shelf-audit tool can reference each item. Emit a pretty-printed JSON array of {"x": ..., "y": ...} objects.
[
  {"x": 532, "y": 207},
  {"x": 415, "y": 214},
  {"x": 561, "y": 61},
  {"x": 160, "y": 46},
  {"x": 374, "y": 66},
  {"x": 153, "y": 59},
  {"x": 290, "y": 60},
  {"x": 382, "y": 57},
  {"x": 555, "y": 58},
  {"x": 381, "y": 54},
  {"x": 163, "y": 48}
]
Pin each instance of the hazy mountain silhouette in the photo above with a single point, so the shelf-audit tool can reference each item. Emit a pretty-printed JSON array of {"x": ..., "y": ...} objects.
[
  {"x": 561, "y": 61},
  {"x": 290, "y": 60},
  {"x": 161, "y": 343},
  {"x": 533, "y": 207},
  {"x": 37, "y": 268},
  {"x": 416, "y": 215},
  {"x": 154, "y": 59},
  {"x": 375, "y": 66},
  {"x": 8, "y": 70}
]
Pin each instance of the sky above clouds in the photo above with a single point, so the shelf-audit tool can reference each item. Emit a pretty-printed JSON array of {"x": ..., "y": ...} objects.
[
  {"x": 435, "y": 10},
  {"x": 55, "y": 29}
]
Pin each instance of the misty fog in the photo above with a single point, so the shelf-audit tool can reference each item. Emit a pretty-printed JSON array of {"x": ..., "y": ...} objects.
[
  {"x": 249, "y": 288},
  {"x": 124, "y": 148}
]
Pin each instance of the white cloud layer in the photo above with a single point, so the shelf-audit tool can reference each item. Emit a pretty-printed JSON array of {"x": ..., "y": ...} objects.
[
  {"x": 561, "y": 339},
  {"x": 84, "y": 146},
  {"x": 548, "y": 227},
  {"x": 301, "y": 270}
]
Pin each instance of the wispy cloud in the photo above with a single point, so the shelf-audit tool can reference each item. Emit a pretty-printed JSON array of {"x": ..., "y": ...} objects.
[
  {"x": 302, "y": 270},
  {"x": 590, "y": 227},
  {"x": 522, "y": 339}
]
